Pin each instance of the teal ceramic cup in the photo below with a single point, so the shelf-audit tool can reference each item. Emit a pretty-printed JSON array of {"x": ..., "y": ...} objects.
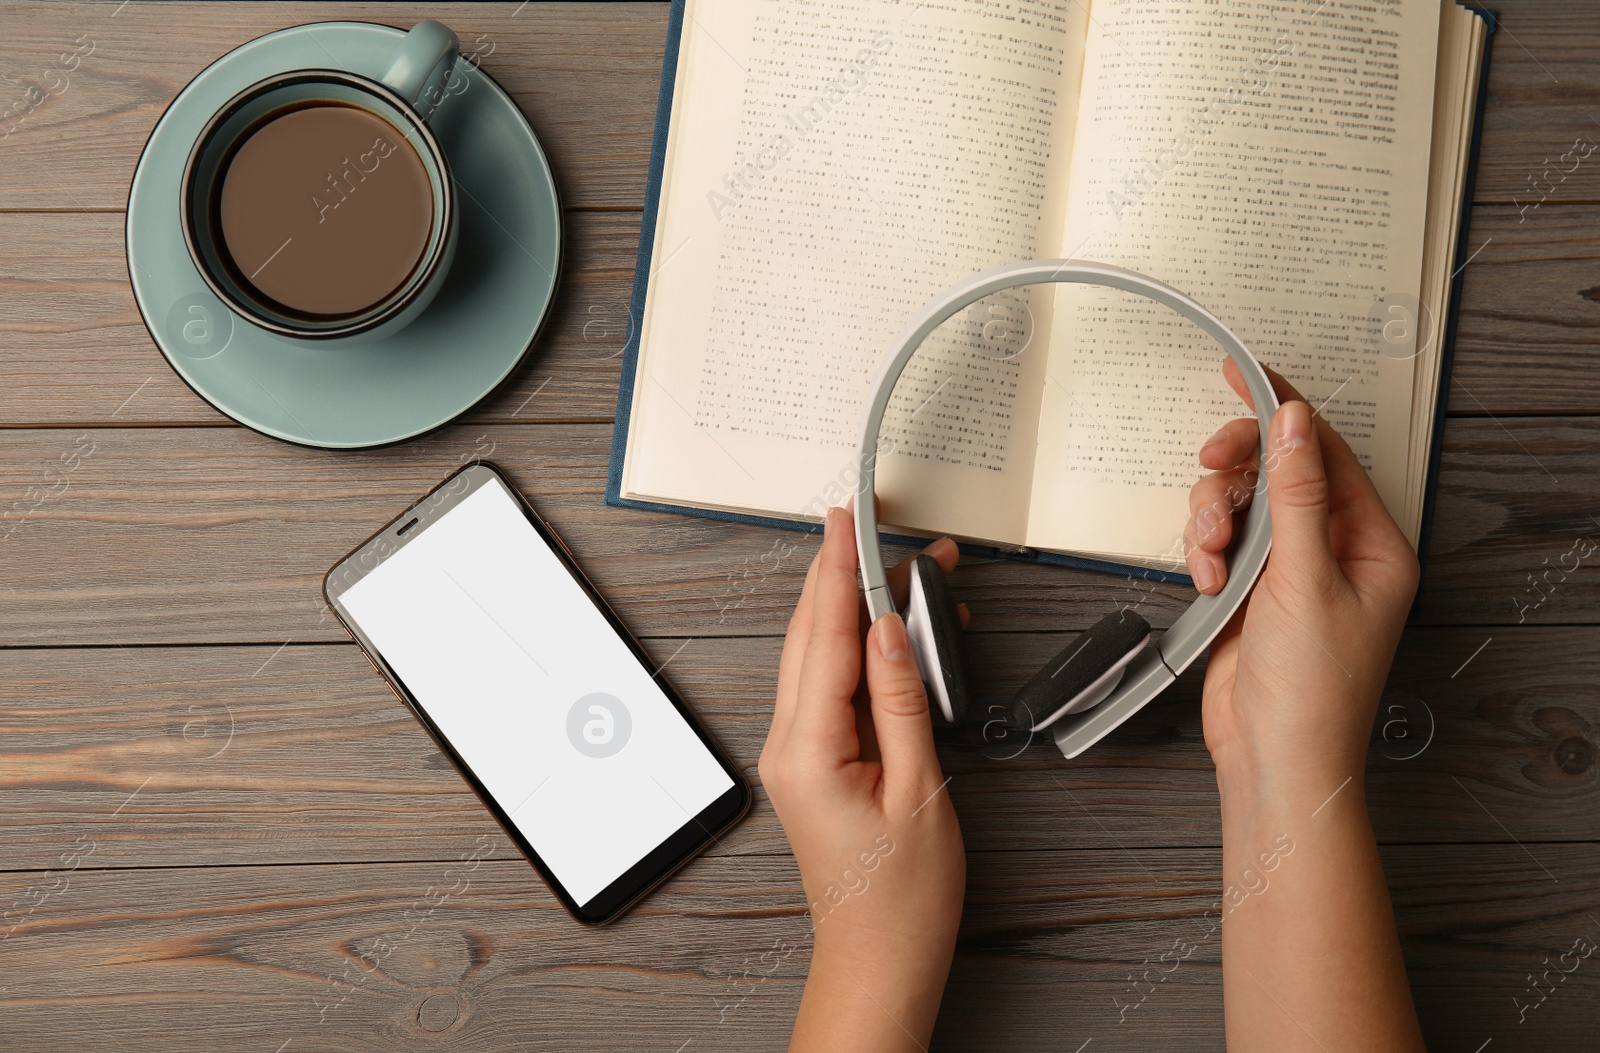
[{"x": 403, "y": 99}]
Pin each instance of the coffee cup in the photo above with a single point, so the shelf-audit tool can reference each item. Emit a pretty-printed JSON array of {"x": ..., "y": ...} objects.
[{"x": 317, "y": 203}]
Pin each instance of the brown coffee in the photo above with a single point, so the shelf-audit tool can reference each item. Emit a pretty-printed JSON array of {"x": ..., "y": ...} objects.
[{"x": 325, "y": 209}]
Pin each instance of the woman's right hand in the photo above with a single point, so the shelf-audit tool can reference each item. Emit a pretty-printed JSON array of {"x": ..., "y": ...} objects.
[
  {"x": 1290, "y": 693},
  {"x": 1294, "y": 680}
]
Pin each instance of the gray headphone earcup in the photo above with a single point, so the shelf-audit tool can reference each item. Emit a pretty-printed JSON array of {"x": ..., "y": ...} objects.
[
  {"x": 934, "y": 625},
  {"x": 1085, "y": 671}
]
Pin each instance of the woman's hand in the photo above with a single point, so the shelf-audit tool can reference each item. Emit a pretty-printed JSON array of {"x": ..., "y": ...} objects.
[
  {"x": 851, "y": 770},
  {"x": 1294, "y": 680},
  {"x": 1290, "y": 694}
]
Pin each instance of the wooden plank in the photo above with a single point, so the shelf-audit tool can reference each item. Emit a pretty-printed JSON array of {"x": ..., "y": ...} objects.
[
  {"x": 218, "y": 535},
  {"x": 299, "y": 754},
  {"x": 180, "y": 764},
  {"x": 72, "y": 347},
  {"x": 1539, "y": 69},
  {"x": 74, "y": 350},
  {"x": 263, "y": 957},
  {"x": 1530, "y": 304},
  {"x": 1513, "y": 518},
  {"x": 586, "y": 76}
]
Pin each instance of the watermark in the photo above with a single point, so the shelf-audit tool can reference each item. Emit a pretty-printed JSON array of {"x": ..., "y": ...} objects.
[
  {"x": 55, "y": 84},
  {"x": 1542, "y": 185},
  {"x": 420, "y": 911},
  {"x": 1401, "y": 325},
  {"x": 853, "y": 881},
  {"x": 1254, "y": 883},
  {"x": 1582, "y": 947},
  {"x": 848, "y": 482},
  {"x": 744, "y": 583},
  {"x": 455, "y": 82},
  {"x": 1581, "y": 549},
  {"x": 1210, "y": 517},
  {"x": 1236, "y": 895},
  {"x": 1136, "y": 185},
  {"x": 207, "y": 729},
  {"x": 198, "y": 327},
  {"x": 1144, "y": 583},
  {"x": 482, "y": 448},
  {"x": 384, "y": 546},
  {"x": 601, "y": 328},
  {"x": 36, "y": 895},
  {"x": 382, "y": 147},
  {"x": 1180, "y": 950},
  {"x": 740, "y": 987},
  {"x": 1407, "y": 728},
  {"x": 57, "y": 478},
  {"x": 599, "y": 725},
  {"x": 1002, "y": 736},
  {"x": 1137, "y": 993},
  {"x": 1004, "y": 321},
  {"x": 802, "y": 121}
]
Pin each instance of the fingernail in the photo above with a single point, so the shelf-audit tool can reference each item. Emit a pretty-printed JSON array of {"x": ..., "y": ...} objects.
[
  {"x": 1215, "y": 440},
  {"x": 1292, "y": 423},
  {"x": 892, "y": 641},
  {"x": 827, "y": 521},
  {"x": 1205, "y": 575},
  {"x": 938, "y": 544}
]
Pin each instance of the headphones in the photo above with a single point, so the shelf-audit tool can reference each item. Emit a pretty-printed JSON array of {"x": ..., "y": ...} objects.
[{"x": 1108, "y": 673}]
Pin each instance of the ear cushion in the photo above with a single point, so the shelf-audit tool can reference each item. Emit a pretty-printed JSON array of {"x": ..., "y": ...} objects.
[
  {"x": 934, "y": 625},
  {"x": 1084, "y": 673}
]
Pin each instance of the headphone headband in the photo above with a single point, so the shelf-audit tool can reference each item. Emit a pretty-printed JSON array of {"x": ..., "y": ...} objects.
[{"x": 1156, "y": 667}]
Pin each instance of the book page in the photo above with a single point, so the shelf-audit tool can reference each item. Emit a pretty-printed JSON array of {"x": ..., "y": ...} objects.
[
  {"x": 832, "y": 164},
  {"x": 1270, "y": 159},
  {"x": 1461, "y": 42}
]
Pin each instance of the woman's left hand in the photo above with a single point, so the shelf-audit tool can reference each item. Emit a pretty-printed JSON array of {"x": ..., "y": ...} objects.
[{"x": 857, "y": 785}]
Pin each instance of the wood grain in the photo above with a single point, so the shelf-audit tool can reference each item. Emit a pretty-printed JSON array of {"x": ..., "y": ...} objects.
[
  {"x": 248, "y": 755},
  {"x": 587, "y": 81},
  {"x": 74, "y": 349},
  {"x": 1528, "y": 328},
  {"x": 1514, "y": 513},
  {"x": 256, "y": 957},
  {"x": 263, "y": 812},
  {"x": 1538, "y": 69},
  {"x": 219, "y": 535},
  {"x": 71, "y": 341},
  {"x": 588, "y": 78}
]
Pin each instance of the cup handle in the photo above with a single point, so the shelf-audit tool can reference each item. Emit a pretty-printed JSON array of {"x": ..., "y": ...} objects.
[{"x": 423, "y": 58}]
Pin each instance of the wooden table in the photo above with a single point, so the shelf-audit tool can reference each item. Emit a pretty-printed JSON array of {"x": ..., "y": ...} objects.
[{"x": 220, "y": 828}]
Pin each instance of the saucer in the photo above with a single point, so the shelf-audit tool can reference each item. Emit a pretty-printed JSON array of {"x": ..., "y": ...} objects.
[{"x": 469, "y": 339}]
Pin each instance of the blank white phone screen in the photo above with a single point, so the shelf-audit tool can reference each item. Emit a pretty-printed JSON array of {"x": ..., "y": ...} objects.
[{"x": 535, "y": 691}]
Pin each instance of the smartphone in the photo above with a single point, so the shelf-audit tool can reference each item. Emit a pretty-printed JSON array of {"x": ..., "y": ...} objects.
[{"x": 482, "y": 622}]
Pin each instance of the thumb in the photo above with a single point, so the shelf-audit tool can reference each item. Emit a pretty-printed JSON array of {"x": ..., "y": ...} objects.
[
  {"x": 1297, "y": 493},
  {"x": 900, "y": 710}
]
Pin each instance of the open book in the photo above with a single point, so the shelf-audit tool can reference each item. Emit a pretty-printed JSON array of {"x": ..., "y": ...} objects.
[{"x": 1297, "y": 166}]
